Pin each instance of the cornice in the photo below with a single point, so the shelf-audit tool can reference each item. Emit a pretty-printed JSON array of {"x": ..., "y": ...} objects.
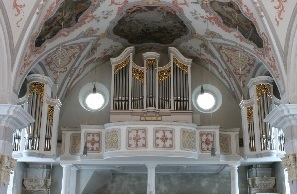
[{"x": 283, "y": 116}]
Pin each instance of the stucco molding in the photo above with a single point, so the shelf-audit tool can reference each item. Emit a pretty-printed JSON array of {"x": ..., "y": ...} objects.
[
  {"x": 14, "y": 117},
  {"x": 283, "y": 116}
]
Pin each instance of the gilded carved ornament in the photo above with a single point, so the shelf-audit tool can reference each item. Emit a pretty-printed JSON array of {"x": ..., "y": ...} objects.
[
  {"x": 50, "y": 114},
  {"x": 262, "y": 89},
  {"x": 180, "y": 65},
  {"x": 164, "y": 74},
  {"x": 150, "y": 62},
  {"x": 38, "y": 88},
  {"x": 7, "y": 164},
  {"x": 121, "y": 65},
  {"x": 138, "y": 74},
  {"x": 249, "y": 112}
]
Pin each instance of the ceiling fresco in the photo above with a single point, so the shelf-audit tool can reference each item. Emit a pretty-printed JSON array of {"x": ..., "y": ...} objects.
[
  {"x": 150, "y": 24},
  {"x": 66, "y": 16},
  {"x": 232, "y": 17},
  {"x": 95, "y": 30},
  {"x": 242, "y": 64}
]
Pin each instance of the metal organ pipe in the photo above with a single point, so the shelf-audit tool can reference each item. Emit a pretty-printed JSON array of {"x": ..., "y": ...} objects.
[{"x": 164, "y": 87}]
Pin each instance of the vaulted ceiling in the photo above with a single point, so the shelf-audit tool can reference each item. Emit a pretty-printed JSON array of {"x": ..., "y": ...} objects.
[{"x": 235, "y": 39}]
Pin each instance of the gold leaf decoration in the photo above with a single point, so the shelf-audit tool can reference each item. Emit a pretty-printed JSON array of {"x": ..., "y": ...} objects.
[
  {"x": 164, "y": 74},
  {"x": 138, "y": 74},
  {"x": 50, "y": 114},
  {"x": 262, "y": 89},
  {"x": 121, "y": 65},
  {"x": 180, "y": 65},
  {"x": 150, "y": 62},
  {"x": 38, "y": 88},
  {"x": 249, "y": 112}
]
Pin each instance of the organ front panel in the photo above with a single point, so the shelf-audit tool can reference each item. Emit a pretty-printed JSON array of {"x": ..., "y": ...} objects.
[
  {"x": 260, "y": 138},
  {"x": 40, "y": 137},
  {"x": 150, "y": 88}
]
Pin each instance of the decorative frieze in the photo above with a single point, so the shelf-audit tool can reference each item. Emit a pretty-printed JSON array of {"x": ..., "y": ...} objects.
[
  {"x": 225, "y": 144},
  {"x": 112, "y": 140},
  {"x": 93, "y": 141},
  {"x": 207, "y": 139},
  {"x": 33, "y": 184},
  {"x": 7, "y": 164},
  {"x": 164, "y": 138},
  {"x": 75, "y": 143},
  {"x": 262, "y": 182},
  {"x": 188, "y": 140},
  {"x": 137, "y": 138}
]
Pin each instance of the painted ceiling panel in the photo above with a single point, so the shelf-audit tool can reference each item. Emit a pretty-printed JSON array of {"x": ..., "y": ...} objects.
[
  {"x": 66, "y": 16},
  {"x": 279, "y": 13},
  {"x": 150, "y": 24},
  {"x": 232, "y": 17},
  {"x": 19, "y": 13},
  {"x": 99, "y": 29}
]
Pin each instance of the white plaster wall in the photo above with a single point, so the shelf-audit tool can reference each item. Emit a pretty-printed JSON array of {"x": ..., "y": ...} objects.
[
  {"x": 82, "y": 178},
  {"x": 57, "y": 174},
  {"x": 73, "y": 115},
  {"x": 19, "y": 173},
  {"x": 278, "y": 173},
  {"x": 228, "y": 115}
]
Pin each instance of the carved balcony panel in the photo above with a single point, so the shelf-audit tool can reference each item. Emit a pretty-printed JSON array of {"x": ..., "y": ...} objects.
[
  {"x": 128, "y": 139},
  {"x": 149, "y": 139}
]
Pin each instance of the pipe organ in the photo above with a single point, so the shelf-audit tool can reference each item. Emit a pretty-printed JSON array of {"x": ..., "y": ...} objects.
[
  {"x": 260, "y": 138},
  {"x": 40, "y": 137},
  {"x": 152, "y": 91}
]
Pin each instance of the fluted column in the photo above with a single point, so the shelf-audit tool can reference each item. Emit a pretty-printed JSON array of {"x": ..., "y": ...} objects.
[
  {"x": 12, "y": 117},
  {"x": 151, "y": 178},
  {"x": 234, "y": 179},
  {"x": 66, "y": 179}
]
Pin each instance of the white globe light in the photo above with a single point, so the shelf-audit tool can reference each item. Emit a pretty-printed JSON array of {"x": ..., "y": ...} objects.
[
  {"x": 95, "y": 101},
  {"x": 206, "y": 101}
]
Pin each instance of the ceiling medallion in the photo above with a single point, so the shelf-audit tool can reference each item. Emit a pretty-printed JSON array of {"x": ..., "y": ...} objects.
[
  {"x": 158, "y": 24},
  {"x": 66, "y": 16},
  {"x": 232, "y": 17}
]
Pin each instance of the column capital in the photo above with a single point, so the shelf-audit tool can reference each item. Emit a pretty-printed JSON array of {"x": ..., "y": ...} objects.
[
  {"x": 66, "y": 165},
  {"x": 14, "y": 117},
  {"x": 283, "y": 116},
  {"x": 234, "y": 165},
  {"x": 7, "y": 163},
  {"x": 151, "y": 165}
]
